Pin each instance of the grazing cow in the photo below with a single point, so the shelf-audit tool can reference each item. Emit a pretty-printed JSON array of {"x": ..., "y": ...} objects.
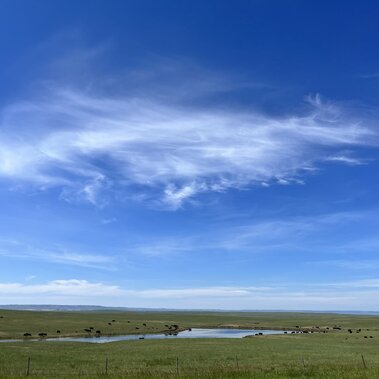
[
  {"x": 98, "y": 331},
  {"x": 88, "y": 330},
  {"x": 27, "y": 335},
  {"x": 109, "y": 323},
  {"x": 58, "y": 331},
  {"x": 137, "y": 327},
  {"x": 113, "y": 320},
  {"x": 144, "y": 324},
  {"x": 42, "y": 334}
]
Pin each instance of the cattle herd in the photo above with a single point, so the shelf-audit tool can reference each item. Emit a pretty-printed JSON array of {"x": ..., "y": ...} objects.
[{"x": 91, "y": 330}]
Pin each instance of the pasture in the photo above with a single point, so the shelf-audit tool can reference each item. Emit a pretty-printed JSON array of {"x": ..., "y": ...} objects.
[{"x": 337, "y": 353}]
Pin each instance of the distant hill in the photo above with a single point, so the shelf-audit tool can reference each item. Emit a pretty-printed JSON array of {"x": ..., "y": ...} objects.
[
  {"x": 78, "y": 308},
  {"x": 48, "y": 307}
]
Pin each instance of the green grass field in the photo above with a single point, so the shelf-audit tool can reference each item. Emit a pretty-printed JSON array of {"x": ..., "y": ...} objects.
[{"x": 335, "y": 354}]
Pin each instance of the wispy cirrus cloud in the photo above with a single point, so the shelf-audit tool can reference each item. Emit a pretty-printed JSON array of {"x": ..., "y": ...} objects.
[
  {"x": 80, "y": 287},
  {"x": 346, "y": 160},
  {"x": 94, "y": 146},
  {"x": 21, "y": 250},
  {"x": 70, "y": 287},
  {"x": 372, "y": 283},
  {"x": 352, "y": 264},
  {"x": 308, "y": 235},
  {"x": 296, "y": 233},
  {"x": 302, "y": 233},
  {"x": 373, "y": 75}
]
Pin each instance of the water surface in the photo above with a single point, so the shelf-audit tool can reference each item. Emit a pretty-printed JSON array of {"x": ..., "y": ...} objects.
[{"x": 194, "y": 333}]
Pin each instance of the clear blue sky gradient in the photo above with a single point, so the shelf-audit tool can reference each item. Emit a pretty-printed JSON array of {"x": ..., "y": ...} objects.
[{"x": 190, "y": 154}]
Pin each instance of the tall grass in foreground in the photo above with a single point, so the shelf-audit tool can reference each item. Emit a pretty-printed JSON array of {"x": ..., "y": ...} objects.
[{"x": 314, "y": 373}]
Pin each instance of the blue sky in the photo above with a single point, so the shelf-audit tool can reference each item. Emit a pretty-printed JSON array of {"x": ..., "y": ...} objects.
[{"x": 184, "y": 154}]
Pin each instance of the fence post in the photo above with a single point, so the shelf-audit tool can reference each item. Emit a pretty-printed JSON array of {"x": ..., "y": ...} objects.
[
  {"x": 177, "y": 365},
  {"x": 106, "y": 366},
  {"x": 363, "y": 361},
  {"x": 28, "y": 367},
  {"x": 302, "y": 360},
  {"x": 237, "y": 364}
]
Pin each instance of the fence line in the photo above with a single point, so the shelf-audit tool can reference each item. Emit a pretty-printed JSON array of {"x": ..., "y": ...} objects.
[{"x": 177, "y": 368}]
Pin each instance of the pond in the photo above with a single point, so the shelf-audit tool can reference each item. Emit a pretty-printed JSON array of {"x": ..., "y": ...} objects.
[{"x": 194, "y": 333}]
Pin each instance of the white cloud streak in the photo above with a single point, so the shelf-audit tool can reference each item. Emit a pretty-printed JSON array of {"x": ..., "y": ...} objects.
[
  {"x": 92, "y": 146},
  {"x": 197, "y": 292},
  {"x": 346, "y": 160}
]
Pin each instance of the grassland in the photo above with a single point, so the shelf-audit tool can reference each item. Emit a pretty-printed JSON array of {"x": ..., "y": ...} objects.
[{"x": 334, "y": 354}]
